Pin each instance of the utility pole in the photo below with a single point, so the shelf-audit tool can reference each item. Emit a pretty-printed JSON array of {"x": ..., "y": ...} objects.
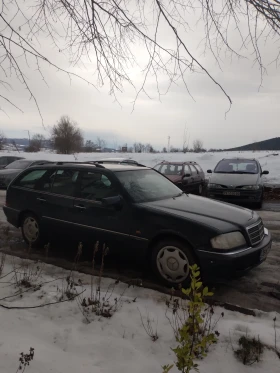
[
  {"x": 168, "y": 144},
  {"x": 28, "y": 136}
]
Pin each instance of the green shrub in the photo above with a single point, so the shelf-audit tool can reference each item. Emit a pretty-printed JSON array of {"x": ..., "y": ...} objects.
[{"x": 195, "y": 334}]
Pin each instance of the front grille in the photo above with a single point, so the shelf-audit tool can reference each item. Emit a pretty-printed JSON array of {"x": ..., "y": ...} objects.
[{"x": 256, "y": 233}]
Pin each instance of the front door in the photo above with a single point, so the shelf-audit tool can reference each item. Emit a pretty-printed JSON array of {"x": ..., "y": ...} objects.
[{"x": 109, "y": 224}]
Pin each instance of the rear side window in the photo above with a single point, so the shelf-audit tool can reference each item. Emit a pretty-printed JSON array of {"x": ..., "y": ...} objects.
[
  {"x": 95, "y": 186},
  {"x": 64, "y": 182},
  {"x": 32, "y": 179}
]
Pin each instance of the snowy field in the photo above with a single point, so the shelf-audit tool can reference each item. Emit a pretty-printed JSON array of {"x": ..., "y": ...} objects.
[
  {"x": 207, "y": 161},
  {"x": 68, "y": 341}
]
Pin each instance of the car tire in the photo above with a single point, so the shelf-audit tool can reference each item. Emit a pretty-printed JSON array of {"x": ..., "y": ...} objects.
[
  {"x": 30, "y": 229},
  {"x": 171, "y": 261},
  {"x": 200, "y": 189}
]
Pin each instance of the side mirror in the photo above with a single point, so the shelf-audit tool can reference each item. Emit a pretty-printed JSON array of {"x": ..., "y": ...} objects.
[
  {"x": 209, "y": 171},
  {"x": 265, "y": 172},
  {"x": 112, "y": 201},
  {"x": 187, "y": 175}
]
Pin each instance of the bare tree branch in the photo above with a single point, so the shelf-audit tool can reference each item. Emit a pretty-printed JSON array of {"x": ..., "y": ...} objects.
[{"x": 108, "y": 34}]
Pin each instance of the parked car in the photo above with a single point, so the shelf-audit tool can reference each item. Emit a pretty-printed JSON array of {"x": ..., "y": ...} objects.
[
  {"x": 7, "y": 159},
  {"x": 8, "y": 173},
  {"x": 139, "y": 212},
  {"x": 237, "y": 180},
  {"x": 123, "y": 161},
  {"x": 188, "y": 176}
]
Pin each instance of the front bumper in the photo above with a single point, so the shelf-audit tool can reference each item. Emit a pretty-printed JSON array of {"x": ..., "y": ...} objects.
[
  {"x": 245, "y": 196},
  {"x": 228, "y": 264}
]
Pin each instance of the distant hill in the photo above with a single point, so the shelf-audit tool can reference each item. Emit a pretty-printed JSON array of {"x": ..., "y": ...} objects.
[
  {"x": 24, "y": 142},
  {"x": 271, "y": 144}
]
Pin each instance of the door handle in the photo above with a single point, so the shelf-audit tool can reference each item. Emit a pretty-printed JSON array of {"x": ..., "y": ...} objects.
[
  {"x": 41, "y": 199},
  {"x": 80, "y": 207}
]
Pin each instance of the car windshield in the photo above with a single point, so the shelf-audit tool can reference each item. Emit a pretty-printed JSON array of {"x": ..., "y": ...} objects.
[
  {"x": 147, "y": 185},
  {"x": 170, "y": 169},
  {"x": 19, "y": 165},
  {"x": 237, "y": 166}
]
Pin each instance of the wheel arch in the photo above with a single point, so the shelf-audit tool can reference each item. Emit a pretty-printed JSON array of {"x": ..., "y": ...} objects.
[
  {"x": 169, "y": 236},
  {"x": 25, "y": 212}
]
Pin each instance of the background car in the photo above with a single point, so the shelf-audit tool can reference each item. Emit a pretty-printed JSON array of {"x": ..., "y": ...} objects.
[
  {"x": 188, "y": 176},
  {"x": 123, "y": 161},
  {"x": 7, "y": 159},
  {"x": 8, "y": 173},
  {"x": 237, "y": 180}
]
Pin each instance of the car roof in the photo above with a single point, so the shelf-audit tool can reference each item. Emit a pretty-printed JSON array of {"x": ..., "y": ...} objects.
[
  {"x": 120, "y": 159},
  {"x": 94, "y": 165},
  {"x": 239, "y": 159},
  {"x": 11, "y": 156},
  {"x": 177, "y": 163}
]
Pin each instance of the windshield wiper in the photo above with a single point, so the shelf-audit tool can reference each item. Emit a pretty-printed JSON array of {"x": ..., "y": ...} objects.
[{"x": 179, "y": 195}]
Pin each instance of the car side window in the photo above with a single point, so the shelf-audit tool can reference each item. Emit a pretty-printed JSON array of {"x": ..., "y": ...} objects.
[
  {"x": 193, "y": 169},
  {"x": 95, "y": 186},
  {"x": 64, "y": 182},
  {"x": 187, "y": 170},
  {"x": 31, "y": 179}
]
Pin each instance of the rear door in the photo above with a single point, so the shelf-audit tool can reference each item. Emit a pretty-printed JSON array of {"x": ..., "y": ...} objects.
[
  {"x": 56, "y": 196},
  {"x": 107, "y": 224},
  {"x": 25, "y": 192}
]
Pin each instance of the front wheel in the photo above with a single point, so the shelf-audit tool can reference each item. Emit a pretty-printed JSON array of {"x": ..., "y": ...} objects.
[
  {"x": 171, "y": 261},
  {"x": 30, "y": 229}
]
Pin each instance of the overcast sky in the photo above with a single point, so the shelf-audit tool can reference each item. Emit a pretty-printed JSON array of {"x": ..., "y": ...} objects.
[{"x": 254, "y": 115}]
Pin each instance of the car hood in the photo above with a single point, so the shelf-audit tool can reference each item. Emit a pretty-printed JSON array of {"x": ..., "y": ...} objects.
[
  {"x": 10, "y": 171},
  {"x": 174, "y": 178},
  {"x": 187, "y": 205},
  {"x": 234, "y": 179}
]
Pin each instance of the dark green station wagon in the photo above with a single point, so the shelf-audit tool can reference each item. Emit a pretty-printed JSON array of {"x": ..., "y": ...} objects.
[{"x": 136, "y": 210}]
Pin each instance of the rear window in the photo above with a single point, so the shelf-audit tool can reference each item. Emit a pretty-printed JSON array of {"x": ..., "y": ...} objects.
[
  {"x": 198, "y": 168},
  {"x": 170, "y": 169},
  {"x": 32, "y": 179}
]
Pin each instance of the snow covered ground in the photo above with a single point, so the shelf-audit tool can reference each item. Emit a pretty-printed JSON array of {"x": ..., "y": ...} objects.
[
  {"x": 207, "y": 161},
  {"x": 65, "y": 343}
]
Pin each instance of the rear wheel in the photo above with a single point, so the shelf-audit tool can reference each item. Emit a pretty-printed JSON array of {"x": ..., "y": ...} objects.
[
  {"x": 30, "y": 229},
  {"x": 171, "y": 261}
]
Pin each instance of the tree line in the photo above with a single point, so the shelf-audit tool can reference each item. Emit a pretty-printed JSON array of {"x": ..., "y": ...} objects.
[{"x": 67, "y": 138}]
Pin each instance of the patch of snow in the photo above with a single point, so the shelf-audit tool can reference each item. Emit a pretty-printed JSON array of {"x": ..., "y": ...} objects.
[{"x": 63, "y": 342}]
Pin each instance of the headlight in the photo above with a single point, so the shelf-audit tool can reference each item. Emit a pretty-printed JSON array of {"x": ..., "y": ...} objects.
[
  {"x": 251, "y": 187},
  {"x": 214, "y": 186},
  {"x": 228, "y": 241}
]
